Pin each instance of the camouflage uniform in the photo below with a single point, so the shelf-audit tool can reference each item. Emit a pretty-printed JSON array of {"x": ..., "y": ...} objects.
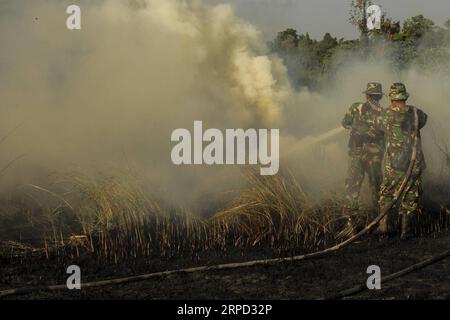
[
  {"x": 398, "y": 123},
  {"x": 366, "y": 147}
]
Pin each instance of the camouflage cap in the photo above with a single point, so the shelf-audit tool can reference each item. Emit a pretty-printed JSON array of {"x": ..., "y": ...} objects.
[
  {"x": 374, "y": 88},
  {"x": 398, "y": 92}
]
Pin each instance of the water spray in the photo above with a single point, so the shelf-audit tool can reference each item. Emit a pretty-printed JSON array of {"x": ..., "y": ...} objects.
[{"x": 309, "y": 141}]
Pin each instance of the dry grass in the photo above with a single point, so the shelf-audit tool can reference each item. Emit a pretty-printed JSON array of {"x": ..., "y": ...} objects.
[
  {"x": 121, "y": 220},
  {"x": 118, "y": 219},
  {"x": 275, "y": 211},
  {"x": 115, "y": 219}
]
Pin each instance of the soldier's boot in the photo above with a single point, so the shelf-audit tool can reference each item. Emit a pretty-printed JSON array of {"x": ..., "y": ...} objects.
[{"x": 407, "y": 231}]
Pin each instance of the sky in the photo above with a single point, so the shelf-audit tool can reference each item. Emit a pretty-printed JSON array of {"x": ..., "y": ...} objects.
[{"x": 320, "y": 16}]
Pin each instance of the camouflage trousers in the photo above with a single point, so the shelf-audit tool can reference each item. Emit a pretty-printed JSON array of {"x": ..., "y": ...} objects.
[
  {"x": 360, "y": 164},
  {"x": 392, "y": 180}
]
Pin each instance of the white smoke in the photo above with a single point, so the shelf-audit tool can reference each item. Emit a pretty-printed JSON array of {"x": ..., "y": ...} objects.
[{"x": 112, "y": 92}]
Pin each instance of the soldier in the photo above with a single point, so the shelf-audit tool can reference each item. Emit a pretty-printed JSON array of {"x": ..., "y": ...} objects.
[
  {"x": 366, "y": 148},
  {"x": 398, "y": 123}
]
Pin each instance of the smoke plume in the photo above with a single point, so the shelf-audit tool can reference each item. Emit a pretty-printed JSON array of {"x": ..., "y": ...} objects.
[{"x": 111, "y": 93}]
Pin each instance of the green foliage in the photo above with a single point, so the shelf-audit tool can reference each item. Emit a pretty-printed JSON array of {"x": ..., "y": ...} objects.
[
  {"x": 418, "y": 42},
  {"x": 306, "y": 59},
  {"x": 287, "y": 39},
  {"x": 416, "y": 27}
]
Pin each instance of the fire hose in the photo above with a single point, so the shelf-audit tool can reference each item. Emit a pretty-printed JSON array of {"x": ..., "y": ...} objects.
[
  {"x": 398, "y": 195},
  {"x": 392, "y": 276}
]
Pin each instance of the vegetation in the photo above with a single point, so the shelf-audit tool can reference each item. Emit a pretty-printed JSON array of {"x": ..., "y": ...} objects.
[
  {"x": 417, "y": 42},
  {"x": 113, "y": 218}
]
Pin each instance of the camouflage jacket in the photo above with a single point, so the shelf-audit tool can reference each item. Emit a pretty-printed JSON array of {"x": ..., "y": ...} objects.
[
  {"x": 399, "y": 126},
  {"x": 361, "y": 118}
]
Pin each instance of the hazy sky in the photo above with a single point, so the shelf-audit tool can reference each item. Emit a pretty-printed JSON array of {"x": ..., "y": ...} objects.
[{"x": 320, "y": 16}]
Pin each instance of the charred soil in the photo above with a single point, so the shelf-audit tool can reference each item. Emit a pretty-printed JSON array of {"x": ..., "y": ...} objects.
[{"x": 313, "y": 279}]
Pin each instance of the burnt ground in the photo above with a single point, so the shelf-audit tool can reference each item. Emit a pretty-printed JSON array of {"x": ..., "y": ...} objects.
[{"x": 312, "y": 279}]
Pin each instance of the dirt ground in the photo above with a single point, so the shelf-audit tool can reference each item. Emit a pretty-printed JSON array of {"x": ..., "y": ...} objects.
[{"x": 312, "y": 279}]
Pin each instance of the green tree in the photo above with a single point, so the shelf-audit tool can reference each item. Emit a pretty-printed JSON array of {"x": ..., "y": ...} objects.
[
  {"x": 287, "y": 39},
  {"x": 416, "y": 27}
]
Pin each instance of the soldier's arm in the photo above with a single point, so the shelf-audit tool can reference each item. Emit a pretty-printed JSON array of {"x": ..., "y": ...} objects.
[
  {"x": 347, "y": 122},
  {"x": 423, "y": 117}
]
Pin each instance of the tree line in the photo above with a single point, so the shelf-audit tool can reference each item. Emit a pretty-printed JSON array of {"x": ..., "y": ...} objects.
[{"x": 418, "y": 41}]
